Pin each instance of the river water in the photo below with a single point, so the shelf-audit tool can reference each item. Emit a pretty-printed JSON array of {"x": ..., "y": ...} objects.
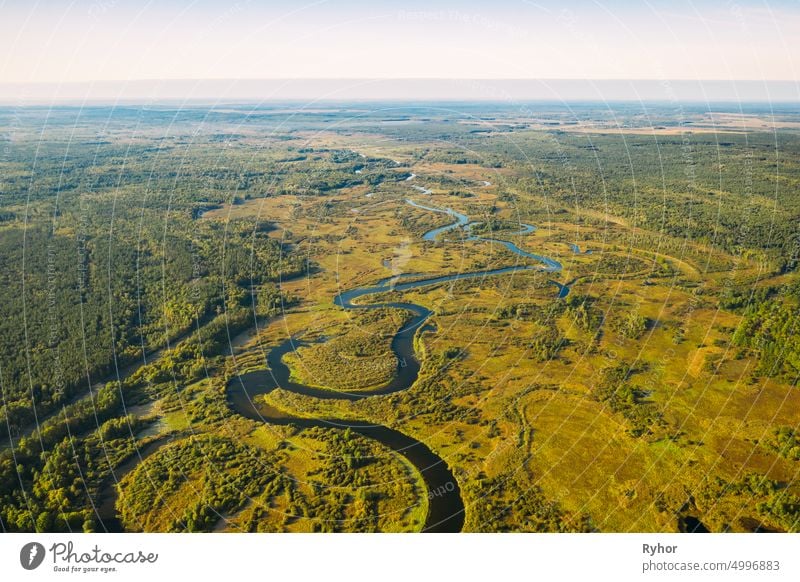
[{"x": 445, "y": 504}]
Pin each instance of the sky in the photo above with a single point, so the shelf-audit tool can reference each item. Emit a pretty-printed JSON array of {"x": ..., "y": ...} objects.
[{"x": 63, "y": 42}]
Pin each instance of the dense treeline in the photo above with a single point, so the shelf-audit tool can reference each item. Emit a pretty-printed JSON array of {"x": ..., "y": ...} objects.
[
  {"x": 95, "y": 423},
  {"x": 105, "y": 261},
  {"x": 105, "y": 264},
  {"x": 84, "y": 309},
  {"x": 728, "y": 195},
  {"x": 771, "y": 325}
]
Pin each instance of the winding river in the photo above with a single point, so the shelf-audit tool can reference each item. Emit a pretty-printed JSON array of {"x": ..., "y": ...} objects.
[{"x": 445, "y": 506}]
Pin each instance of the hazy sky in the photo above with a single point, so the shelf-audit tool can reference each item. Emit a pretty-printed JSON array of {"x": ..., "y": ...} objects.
[{"x": 85, "y": 40}]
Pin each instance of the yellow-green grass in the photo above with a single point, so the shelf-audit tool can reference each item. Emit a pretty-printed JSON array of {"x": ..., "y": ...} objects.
[{"x": 579, "y": 451}]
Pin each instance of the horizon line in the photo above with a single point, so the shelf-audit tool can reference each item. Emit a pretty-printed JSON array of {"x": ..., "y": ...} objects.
[{"x": 405, "y": 89}]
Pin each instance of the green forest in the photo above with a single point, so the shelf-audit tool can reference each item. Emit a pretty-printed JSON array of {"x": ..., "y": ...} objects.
[{"x": 151, "y": 257}]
